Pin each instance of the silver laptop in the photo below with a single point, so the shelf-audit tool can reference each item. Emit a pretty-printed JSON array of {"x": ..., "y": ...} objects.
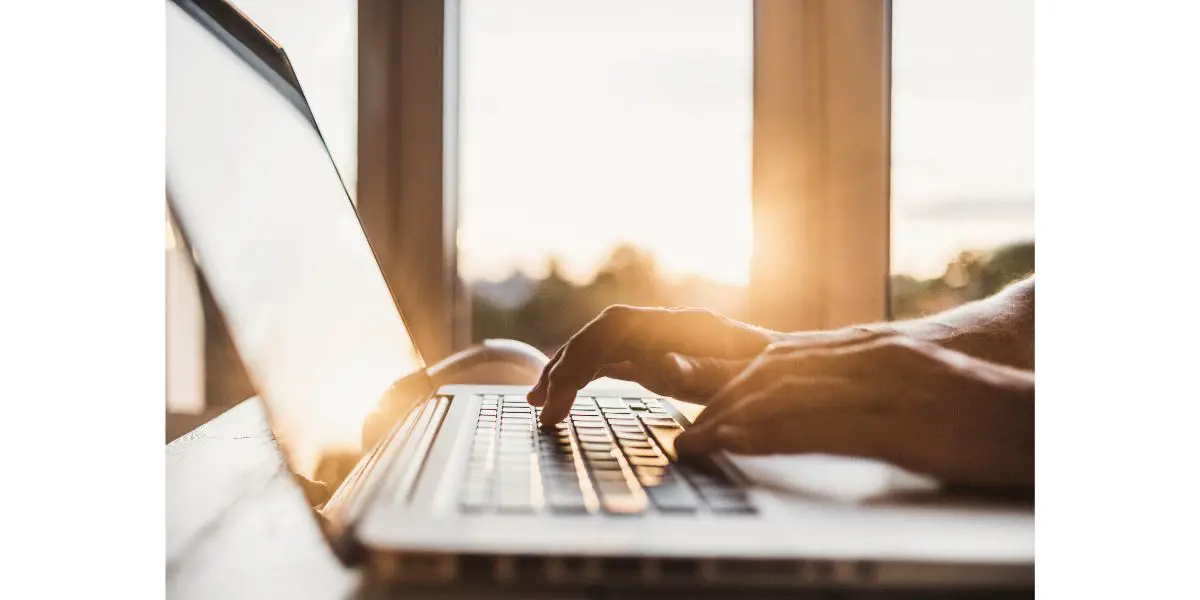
[{"x": 464, "y": 489}]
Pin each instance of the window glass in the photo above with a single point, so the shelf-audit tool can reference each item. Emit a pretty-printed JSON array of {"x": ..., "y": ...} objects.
[
  {"x": 962, "y": 150},
  {"x": 605, "y": 158}
]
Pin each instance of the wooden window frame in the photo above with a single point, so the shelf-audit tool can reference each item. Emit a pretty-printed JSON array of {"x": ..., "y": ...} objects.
[
  {"x": 407, "y": 159},
  {"x": 822, "y": 154}
]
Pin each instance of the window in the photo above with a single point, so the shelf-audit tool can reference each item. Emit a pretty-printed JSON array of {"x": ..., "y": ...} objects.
[
  {"x": 605, "y": 157},
  {"x": 962, "y": 150}
]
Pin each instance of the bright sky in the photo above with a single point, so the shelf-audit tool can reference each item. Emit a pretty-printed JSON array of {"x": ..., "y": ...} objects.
[{"x": 590, "y": 122}]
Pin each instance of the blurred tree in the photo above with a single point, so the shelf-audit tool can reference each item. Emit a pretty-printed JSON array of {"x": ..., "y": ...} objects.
[
  {"x": 490, "y": 321},
  {"x": 556, "y": 308},
  {"x": 1005, "y": 265},
  {"x": 552, "y": 313},
  {"x": 630, "y": 275}
]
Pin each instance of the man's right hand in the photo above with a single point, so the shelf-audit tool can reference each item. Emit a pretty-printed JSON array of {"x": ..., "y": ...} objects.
[{"x": 683, "y": 353}]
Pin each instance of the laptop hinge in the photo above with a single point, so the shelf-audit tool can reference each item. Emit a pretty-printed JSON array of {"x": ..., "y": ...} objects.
[{"x": 345, "y": 506}]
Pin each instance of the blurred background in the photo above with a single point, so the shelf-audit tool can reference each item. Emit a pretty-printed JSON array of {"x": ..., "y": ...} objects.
[{"x": 618, "y": 168}]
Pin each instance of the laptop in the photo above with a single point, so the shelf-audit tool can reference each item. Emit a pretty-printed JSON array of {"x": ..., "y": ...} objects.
[{"x": 463, "y": 488}]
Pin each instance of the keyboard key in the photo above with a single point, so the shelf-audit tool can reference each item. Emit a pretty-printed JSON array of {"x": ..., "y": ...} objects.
[
  {"x": 641, "y": 452},
  {"x": 673, "y": 498},
  {"x": 650, "y": 419},
  {"x": 610, "y": 403},
  {"x": 560, "y": 455},
  {"x": 609, "y": 476},
  {"x": 651, "y": 471},
  {"x": 639, "y": 444},
  {"x": 596, "y": 446},
  {"x": 705, "y": 476},
  {"x": 566, "y": 502},
  {"x": 625, "y": 503},
  {"x": 629, "y": 421},
  {"x": 729, "y": 505},
  {"x": 515, "y": 504},
  {"x": 649, "y": 481},
  {"x": 594, "y": 438},
  {"x": 602, "y": 461},
  {"x": 665, "y": 436},
  {"x": 556, "y": 456},
  {"x": 557, "y": 461},
  {"x": 656, "y": 461},
  {"x": 612, "y": 486},
  {"x": 587, "y": 419},
  {"x": 624, "y": 434},
  {"x": 475, "y": 504}
]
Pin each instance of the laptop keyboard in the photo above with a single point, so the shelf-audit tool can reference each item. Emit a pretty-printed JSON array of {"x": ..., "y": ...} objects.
[{"x": 606, "y": 458}]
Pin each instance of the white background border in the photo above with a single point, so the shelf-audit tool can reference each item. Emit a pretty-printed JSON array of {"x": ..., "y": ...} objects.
[
  {"x": 82, "y": 219},
  {"x": 81, "y": 303}
]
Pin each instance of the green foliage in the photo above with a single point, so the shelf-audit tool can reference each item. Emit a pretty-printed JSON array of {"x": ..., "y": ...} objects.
[{"x": 971, "y": 276}]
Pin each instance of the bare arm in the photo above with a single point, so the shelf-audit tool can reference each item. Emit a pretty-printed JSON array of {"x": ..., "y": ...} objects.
[
  {"x": 998, "y": 329},
  {"x": 691, "y": 353}
]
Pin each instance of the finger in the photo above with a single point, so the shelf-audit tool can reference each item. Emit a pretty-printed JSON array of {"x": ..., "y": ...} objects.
[
  {"x": 844, "y": 433},
  {"x": 826, "y": 358},
  {"x": 626, "y": 371},
  {"x": 698, "y": 379},
  {"x": 683, "y": 377},
  {"x": 537, "y": 395},
  {"x": 783, "y": 400},
  {"x": 623, "y": 333}
]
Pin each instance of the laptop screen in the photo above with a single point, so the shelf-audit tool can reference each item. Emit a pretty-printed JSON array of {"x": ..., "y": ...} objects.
[{"x": 258, "y": 198}]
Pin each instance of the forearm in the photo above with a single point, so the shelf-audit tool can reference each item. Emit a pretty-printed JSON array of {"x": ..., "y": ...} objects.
[{"x": 997, "y": 329}]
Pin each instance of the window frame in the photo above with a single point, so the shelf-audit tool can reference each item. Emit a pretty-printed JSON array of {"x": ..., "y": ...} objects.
[
  {"x": 822, "y": 163},
  {"x": 407, "y": 160}
]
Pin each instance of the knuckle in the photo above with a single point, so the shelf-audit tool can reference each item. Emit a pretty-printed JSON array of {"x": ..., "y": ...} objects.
[
  {"x": 616, "y": 311},
  {"x": 776, "y": 350},
  {"x": 616, "y": 316}
]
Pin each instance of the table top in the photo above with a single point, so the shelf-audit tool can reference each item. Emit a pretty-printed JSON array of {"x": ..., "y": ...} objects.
[{"x": 237, "y": 522}]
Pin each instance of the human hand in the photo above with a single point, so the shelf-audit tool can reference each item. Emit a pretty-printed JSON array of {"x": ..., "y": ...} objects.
[
  {"x": 914, "y": 404},
  {"x": 684, "y": 353}
]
